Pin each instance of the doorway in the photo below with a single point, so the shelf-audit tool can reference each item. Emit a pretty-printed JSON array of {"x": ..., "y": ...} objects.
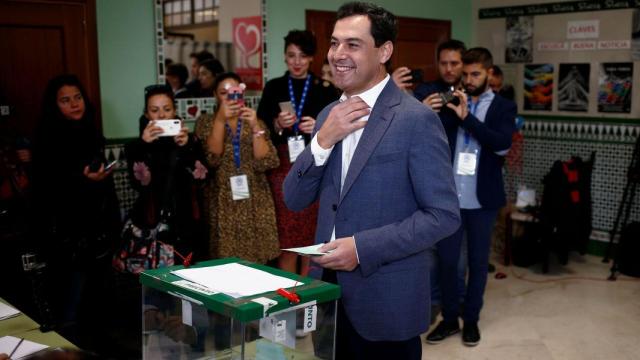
[{"x": 42, "y": 39}]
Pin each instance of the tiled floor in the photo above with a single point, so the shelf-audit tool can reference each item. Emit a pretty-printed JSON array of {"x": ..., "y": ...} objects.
[{"x": 530, "y": 315}]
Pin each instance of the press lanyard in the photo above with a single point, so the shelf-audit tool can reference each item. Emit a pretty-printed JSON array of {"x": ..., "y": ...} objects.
[
  {"x": 235, "y": 141},
  {"x": 472, "y": 109},
  {"x": 300, "y": 106}
]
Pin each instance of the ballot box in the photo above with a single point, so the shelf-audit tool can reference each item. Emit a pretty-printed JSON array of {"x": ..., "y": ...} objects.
[{"x": 234, "y": 309}]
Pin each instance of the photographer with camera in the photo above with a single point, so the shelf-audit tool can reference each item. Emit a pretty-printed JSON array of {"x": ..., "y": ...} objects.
[
  {"x": 166, "y": 167},
  {"x": 479, "y": 131},
  {"x": 236, "y": 144},
  {"x": 435, "y": 94}
]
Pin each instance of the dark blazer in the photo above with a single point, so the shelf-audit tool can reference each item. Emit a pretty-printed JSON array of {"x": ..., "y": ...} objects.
[
  {"x": 494, "y": 135},
  {"x": 425, "y": 89},
  {"x": 398, "y": 200}
]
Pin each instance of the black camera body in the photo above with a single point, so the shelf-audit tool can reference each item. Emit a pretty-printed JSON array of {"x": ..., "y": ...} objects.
[
  {"x": 448, "y": 97},
  {"x": 417, "y": 76}
]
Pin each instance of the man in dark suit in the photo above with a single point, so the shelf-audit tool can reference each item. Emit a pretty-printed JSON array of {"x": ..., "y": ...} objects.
[
  {"x": 479, "y": 130},
  {"x": 380, "y": 167},
  {"x": 449, "y": 59},
  {"x": 449, "y": 62}
]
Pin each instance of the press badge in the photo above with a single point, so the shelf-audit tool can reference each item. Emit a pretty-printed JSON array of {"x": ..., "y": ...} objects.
[
  {"x": 296, "y": 146},
  {"x": 467, "y": 162},
  {"x": 239, "y": 187}
]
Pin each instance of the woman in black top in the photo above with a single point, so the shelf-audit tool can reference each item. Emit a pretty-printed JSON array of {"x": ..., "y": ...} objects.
[
  {"x": 167, "y": 172},
  {"x": 77, "y": 209},
  {"x": 291, "y": 127}
]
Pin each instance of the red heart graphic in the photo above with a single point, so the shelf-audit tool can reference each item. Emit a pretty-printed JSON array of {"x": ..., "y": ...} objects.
[
  {"x": 192, "y": 110},
  {"x": 248, "y": 37}
]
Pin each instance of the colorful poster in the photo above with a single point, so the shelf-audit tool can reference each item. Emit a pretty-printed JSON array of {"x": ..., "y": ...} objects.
[
  {"x": 247, "y": 43},
  {"x": 538, "y": 87},
  {"x": 615, "y": 83},
  {"x": 519, "y": 46},
  {"x": 573, "y": 87}
]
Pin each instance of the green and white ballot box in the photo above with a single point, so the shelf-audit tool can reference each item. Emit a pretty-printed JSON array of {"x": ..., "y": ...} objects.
[{"x": 234, "y": 309}]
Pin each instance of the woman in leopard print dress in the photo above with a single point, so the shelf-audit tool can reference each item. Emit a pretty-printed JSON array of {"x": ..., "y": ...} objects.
[{"x": 237, "y": 143}]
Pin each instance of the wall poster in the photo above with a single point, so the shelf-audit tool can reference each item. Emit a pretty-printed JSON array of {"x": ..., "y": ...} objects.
[
  {"x": 573, "y": 87},
  {"x": 247, "y": 41},
  {"x": 519, "y": 42},
  {"x": 615, "y": 83},
  {"x": 538, "y": 87},
  {"x": 635, "y": 35}
]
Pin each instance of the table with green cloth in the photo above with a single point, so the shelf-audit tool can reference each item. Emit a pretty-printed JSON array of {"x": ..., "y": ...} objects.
[{"x": 22, "y": 326}]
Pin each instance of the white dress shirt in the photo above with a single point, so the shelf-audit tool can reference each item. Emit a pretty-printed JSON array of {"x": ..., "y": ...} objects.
[{"x": 350, "y": 142}]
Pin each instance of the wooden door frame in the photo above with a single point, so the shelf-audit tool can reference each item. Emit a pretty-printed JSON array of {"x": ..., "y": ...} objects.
[
  {"x": 321, "y": 48},
  {"x": 92, "y": 82}
]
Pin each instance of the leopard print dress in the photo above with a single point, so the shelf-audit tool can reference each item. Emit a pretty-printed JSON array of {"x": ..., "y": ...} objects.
[{"x": 240, "y": 228}]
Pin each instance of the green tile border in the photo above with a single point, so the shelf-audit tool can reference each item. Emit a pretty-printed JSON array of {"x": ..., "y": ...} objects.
[{"x": 578, "y": 119}]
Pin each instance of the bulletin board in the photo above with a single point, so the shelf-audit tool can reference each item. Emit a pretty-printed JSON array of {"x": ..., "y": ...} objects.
[{"x": 587, "y": 59}]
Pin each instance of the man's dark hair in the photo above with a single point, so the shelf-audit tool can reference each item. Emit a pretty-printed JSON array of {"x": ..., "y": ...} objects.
[
  {"x": 451, "y": 44},
  {"x": 180, "y": 71},
  {"x": 203, "y": 56},
  {"x": 496, "y": 70},
  {"x": 478, "y": 55},
  {"x": 383, "y": 23},
  {"x": 303, "y": 39}
]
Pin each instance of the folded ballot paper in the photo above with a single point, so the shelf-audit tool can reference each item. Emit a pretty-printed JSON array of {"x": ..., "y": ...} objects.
[
  {"x": 312, "y": 250},
  {"x": 7, "y": 311},
  {"x": 235, "y": 280},
  {"x": 20, "y": 348}
]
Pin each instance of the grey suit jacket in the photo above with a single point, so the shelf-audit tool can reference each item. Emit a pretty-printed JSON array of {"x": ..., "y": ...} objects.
[{"x": 398, "y": 200}]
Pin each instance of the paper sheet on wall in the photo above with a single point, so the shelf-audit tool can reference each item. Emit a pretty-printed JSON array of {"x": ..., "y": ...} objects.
[{"x": 236, "y": 280}]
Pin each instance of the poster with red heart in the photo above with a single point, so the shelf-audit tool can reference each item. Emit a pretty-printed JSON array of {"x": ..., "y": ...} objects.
[{"x": 247, "y": 42}]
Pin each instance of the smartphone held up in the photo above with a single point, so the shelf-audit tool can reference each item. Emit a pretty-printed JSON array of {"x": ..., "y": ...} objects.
[
  {"x": 236, "y": 93},
  {"x": 169, "y": 127}
]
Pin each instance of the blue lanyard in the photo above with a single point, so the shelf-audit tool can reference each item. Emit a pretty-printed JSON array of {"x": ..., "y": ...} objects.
[
  {"x": 300, "y": 106},
  {"x": 472, "y": 109},
  {"x": 235, "y": 141}
]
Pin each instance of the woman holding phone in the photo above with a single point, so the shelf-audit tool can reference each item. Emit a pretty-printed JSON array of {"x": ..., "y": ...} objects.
[
  {"x": 77, "y": 211},
  {"x": 236, "y": 143},
  {"x": 289, "y": 106},
  {"x": 166, "y": 168}
]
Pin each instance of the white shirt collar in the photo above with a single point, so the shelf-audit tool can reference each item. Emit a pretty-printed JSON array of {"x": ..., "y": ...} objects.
[
  {"x": 370, "y": 96},
  {"x": 488, "y": 94}
]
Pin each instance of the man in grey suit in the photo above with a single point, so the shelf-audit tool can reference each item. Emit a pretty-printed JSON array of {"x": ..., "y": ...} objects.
[{"x": 380, "y": 166}]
